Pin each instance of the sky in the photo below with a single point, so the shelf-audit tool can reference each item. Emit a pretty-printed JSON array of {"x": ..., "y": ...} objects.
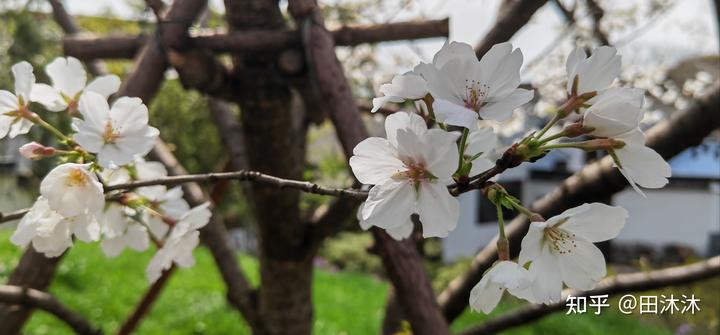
[{"x": 687, "y": 29}]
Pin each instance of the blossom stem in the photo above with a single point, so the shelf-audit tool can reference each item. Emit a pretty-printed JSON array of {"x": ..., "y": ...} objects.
[
  {"x": 461, "y": 148},
  {"x": 532, "y": 216},
  {"x": 38, "y": 120},
  {"x": 576, "y": 145},
  {"x": 549, "y": 125},
  {"x": 503, "y": 245},
  {"x": 552, "y": 137}
]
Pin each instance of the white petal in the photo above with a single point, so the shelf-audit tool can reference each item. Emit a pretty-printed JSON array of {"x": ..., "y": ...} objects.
[
  {"x": 401, "y": 232},
  {"x": 381, "y": 101},
  {"x": 137, "y": 237},
  {"x": 112, "y": 247},
  {"x": 616, "y": 111},
  {"x": 599, "y": 70},
  {"x": 374, "y": 161},
  {"x": 453, "y": 114},
  {"x": 482, "y": 140},
  {"x": 574, "y": 60},
  {"x": 95, "y": 110},
  {"x": 68, "y": 75},
  {"x": 438, "y": 209},
  {"x": 20, "y": 127},
  {"x": 389, "y": 205},
  {"x": 104, "y": 85},
  {"x": 407, "y": 121},
  {"x": 408, "y": 85},
  {"x": 641, "y": 164},
  {"x": 485, "y": 295},
  {"x": 8, "y": 102},
  {"x": 547, "y": 278},
  {"x": 596, "y": 222},
  {"x": 502, "y": 109},
  {"x": 453, "y": 50},
  {"x": 491, "y": 62},
  {"x": 48, "y": 97},
  {"x": 24, "y": 79},
  {"x": 532, "y": 244},
  {"x": 583, "y": 266},
  {"x": 440, "y": 152}
]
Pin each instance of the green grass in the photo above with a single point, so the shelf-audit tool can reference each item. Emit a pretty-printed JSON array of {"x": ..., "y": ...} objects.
[{"x": 106, "y": 289}]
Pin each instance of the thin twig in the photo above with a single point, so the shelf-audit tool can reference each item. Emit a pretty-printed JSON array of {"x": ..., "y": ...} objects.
[
  {"x": 28, "y": 297},
  {"x": 243, "y": 175}
]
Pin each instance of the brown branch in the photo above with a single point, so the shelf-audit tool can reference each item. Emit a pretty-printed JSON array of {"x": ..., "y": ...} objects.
[
  {"x": 623, "y": 283},
  {"x": 597, "y": 14},
  {"x": 243, "y": 175},
  {"x": 28, "y": 297},
  {"x": 401, "y": 260},
  {"x": 516, "y": 15},
  {"x": 120, "y": 46},
  {"x": 597, "y": 181},
  {"x": 131, "y": 323}
]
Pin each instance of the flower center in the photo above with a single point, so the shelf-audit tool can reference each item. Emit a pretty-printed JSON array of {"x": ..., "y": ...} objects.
[
  {"x": 560, "y": 240},
  {"x": 110, "y": 135},
  {"x": 415, "y": 173},
  {"x": 77, "y": 177},
  {"x": 475, "y": 94}
]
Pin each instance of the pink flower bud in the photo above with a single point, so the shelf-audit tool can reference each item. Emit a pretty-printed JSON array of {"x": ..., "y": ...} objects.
[{"x": 35, "y": 150}]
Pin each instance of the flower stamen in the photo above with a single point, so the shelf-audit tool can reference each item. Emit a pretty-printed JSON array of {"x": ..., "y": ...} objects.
[{"x": 561, "y": 240}]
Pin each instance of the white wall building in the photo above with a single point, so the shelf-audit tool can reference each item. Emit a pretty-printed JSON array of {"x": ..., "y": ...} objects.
[{"x": 686, "y": 212}]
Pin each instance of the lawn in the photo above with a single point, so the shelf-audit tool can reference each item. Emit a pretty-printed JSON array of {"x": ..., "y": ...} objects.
[{"x": 105, "y": 290}]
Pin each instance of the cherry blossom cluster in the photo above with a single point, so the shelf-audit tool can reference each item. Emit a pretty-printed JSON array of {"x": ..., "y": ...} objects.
[
  {"x": 447, "y": 142},
  {"x": 104, "y": 148}
]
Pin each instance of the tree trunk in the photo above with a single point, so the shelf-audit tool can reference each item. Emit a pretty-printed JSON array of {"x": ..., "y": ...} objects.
[
  {"x": 274, "y": 134},
  {"x": 34, "y": 271}
]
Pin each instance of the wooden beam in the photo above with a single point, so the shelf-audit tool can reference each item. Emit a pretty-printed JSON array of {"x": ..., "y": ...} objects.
[{"x": 88, "y": 47}]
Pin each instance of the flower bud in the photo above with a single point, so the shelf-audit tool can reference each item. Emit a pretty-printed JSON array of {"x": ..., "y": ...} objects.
[
  {"x": 576, "y": 129},
  {"x": 602, "y": 144},
  {"x": 34, "y": 150}
]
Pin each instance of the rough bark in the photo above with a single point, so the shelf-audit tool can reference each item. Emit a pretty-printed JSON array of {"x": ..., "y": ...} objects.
[
  {"x": 514, "y": 16},
  {"x": 682, "y": 130},
  {"x": 275, "y": 146},
  {"x": 33, "y": 271},
  {"x": 88, "y": 47},
  {"x": 623, "y": 283},
  {"x": 38, "y": 299}
]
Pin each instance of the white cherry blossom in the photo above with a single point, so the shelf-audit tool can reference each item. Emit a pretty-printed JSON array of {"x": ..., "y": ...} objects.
[
  {"x": 50, "y": 232},
  {"x": 562, "y": 251},
  {"x": 68, "y": 83},
  {"x": 504, "y": 275},
  {"x": 400, "y": 232},
  {"x": 14, "y": 107},
  {"x": 115, "y": 134},
  {"x": 71, "y": 189},
  {"x": 181, "y": 242},
  {"x": 594, "y": 73},
  {"x": 466, "y": 89},
  {"x": 641, "y": 165},
  {"x": 410, "y": 170},
  {"x": 616, "y": 113},
  {"x": 120, "y": 231},
  {"x": 406, "y": 86}
]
